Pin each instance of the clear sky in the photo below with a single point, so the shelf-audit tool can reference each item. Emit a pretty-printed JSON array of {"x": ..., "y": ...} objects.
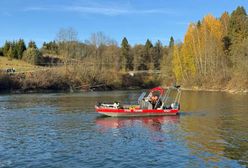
[{"x": 40, "y": 20}]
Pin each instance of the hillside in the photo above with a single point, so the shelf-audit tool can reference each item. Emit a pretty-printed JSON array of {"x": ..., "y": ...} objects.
[{"x": 18, "y": 65}]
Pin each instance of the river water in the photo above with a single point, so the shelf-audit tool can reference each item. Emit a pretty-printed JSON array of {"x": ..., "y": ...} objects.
[{"x": 63, "y": 130}]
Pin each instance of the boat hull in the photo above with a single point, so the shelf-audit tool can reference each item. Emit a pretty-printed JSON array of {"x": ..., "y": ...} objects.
[{"x": 135, "y": 112}]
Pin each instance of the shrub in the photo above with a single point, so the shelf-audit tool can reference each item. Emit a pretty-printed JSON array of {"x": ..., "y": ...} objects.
[
  {"x": 33, "y": 56},
  {"x": 7, "y": 82}
]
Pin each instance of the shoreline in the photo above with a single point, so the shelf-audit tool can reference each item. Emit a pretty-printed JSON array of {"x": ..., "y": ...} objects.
[{"x": 231, "y": 91}]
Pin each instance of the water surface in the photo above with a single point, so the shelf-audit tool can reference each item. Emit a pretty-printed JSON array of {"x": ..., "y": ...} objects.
[{"x": 63, "y": 130}]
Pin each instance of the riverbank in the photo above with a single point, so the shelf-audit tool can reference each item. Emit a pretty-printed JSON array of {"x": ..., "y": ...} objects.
[
  {"x": 57, "y": 80},
  {"x": 232, "y": 91}
]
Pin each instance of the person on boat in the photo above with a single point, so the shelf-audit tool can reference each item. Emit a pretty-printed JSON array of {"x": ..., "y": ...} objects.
[{"x": 155, "y": 102}]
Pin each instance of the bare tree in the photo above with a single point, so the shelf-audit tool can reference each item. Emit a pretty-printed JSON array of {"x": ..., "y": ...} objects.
[
  {"x": 100, "y": 41},
  {"x": 67, "y": 40}
]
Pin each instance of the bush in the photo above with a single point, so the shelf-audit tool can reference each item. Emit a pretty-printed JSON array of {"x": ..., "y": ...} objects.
[
  {"x": 7, "y": 82},
  {"x": 45, "y": 80},
  {"x": 33, "y": 56}
]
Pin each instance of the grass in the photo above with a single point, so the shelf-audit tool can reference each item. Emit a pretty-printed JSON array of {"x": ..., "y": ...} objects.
[{"x": 19, "y": 65}]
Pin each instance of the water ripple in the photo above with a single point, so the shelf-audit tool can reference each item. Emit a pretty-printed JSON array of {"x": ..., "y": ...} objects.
[{"x": 62, "y": 130}]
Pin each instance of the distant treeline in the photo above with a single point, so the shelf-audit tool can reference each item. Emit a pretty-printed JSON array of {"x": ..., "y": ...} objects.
[{"x": 213, "y": 54}]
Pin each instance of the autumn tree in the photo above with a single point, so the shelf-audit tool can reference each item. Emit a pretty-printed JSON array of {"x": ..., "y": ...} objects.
[
  {"x": 177, "y": 63},
  {"x": 201, "y": 54},
  {"x": 166, "y": 60},
  {"x": 224, "y": 19}
]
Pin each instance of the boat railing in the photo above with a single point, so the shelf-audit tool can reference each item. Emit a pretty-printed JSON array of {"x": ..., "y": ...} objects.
[
  {"x": 145, "y": 104},
  {"x": 141, "y": 97},
  {"x": 168, "y": 101}
]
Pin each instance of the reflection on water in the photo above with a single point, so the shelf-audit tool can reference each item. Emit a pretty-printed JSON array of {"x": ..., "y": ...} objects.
[
  {"x": 63, "y": 130},
  {"x": 217, "y": 125},
  {"x": 152, "y": 123}
]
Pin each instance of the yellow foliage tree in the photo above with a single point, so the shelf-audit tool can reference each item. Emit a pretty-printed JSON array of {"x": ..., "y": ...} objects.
[
  {"x": 211, "y": 40},
  {"x": 189, "y": 53},
  {"x": 225, "y": 22},
  {"x": 201, "y": 53},
  {"x": 177, "y": 63}
]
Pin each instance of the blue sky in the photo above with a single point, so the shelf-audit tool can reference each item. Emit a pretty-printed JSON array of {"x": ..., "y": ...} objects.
[{"x": 40, "y": 20}]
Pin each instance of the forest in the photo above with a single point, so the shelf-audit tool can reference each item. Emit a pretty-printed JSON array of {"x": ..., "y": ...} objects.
[{"x": 212, "y": 55}]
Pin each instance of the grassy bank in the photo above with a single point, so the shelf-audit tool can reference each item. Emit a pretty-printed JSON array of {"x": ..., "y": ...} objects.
[{"x": 19, "y": 65}]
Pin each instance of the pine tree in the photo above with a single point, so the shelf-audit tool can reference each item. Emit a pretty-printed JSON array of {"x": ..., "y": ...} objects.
[
  {"x": 157, "y": 56},
  {"x": 15, "y": 50},
  {"x": 138, "y": 52},
  {"x": 33, "y": 56},
  {"x": 127, "y": 58},
  {"x": 32, "y": 44},
  {"x": 21, "y": 47},
  {"x": 238, "y": 25},
  {"x": 146, "y": 60},
  {"x": 171, "y": 43},
  {"x": 11, "y": 52},
  {"x": 237, "y": 32},
  {"x": 6, "y": 48}
]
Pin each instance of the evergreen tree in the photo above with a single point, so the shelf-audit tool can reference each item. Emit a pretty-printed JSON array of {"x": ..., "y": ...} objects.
[
  {"x": 238, "y": 25},
  {"x": 21, "y": 47},
  {"x": 32, "y": 44},
  {"x": 240, "y": 60},
  {"x": 138, "y": 52},
  {"x": 127, "y": 58},
  {"x": 6, "y": 48},
  {"x": 198, "y": 25},
  {"x": 237, "y": 32},
  {"x": 158, "y": 53},
  {"x": 171, "y": 43},
  {"x": 11, "y": 52},
  {"x": 50, "y": 48},
  {"x": 15, "y": 50},
  {"x": 33, "y": 56},
  {"x": 146, "y": 60}
]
